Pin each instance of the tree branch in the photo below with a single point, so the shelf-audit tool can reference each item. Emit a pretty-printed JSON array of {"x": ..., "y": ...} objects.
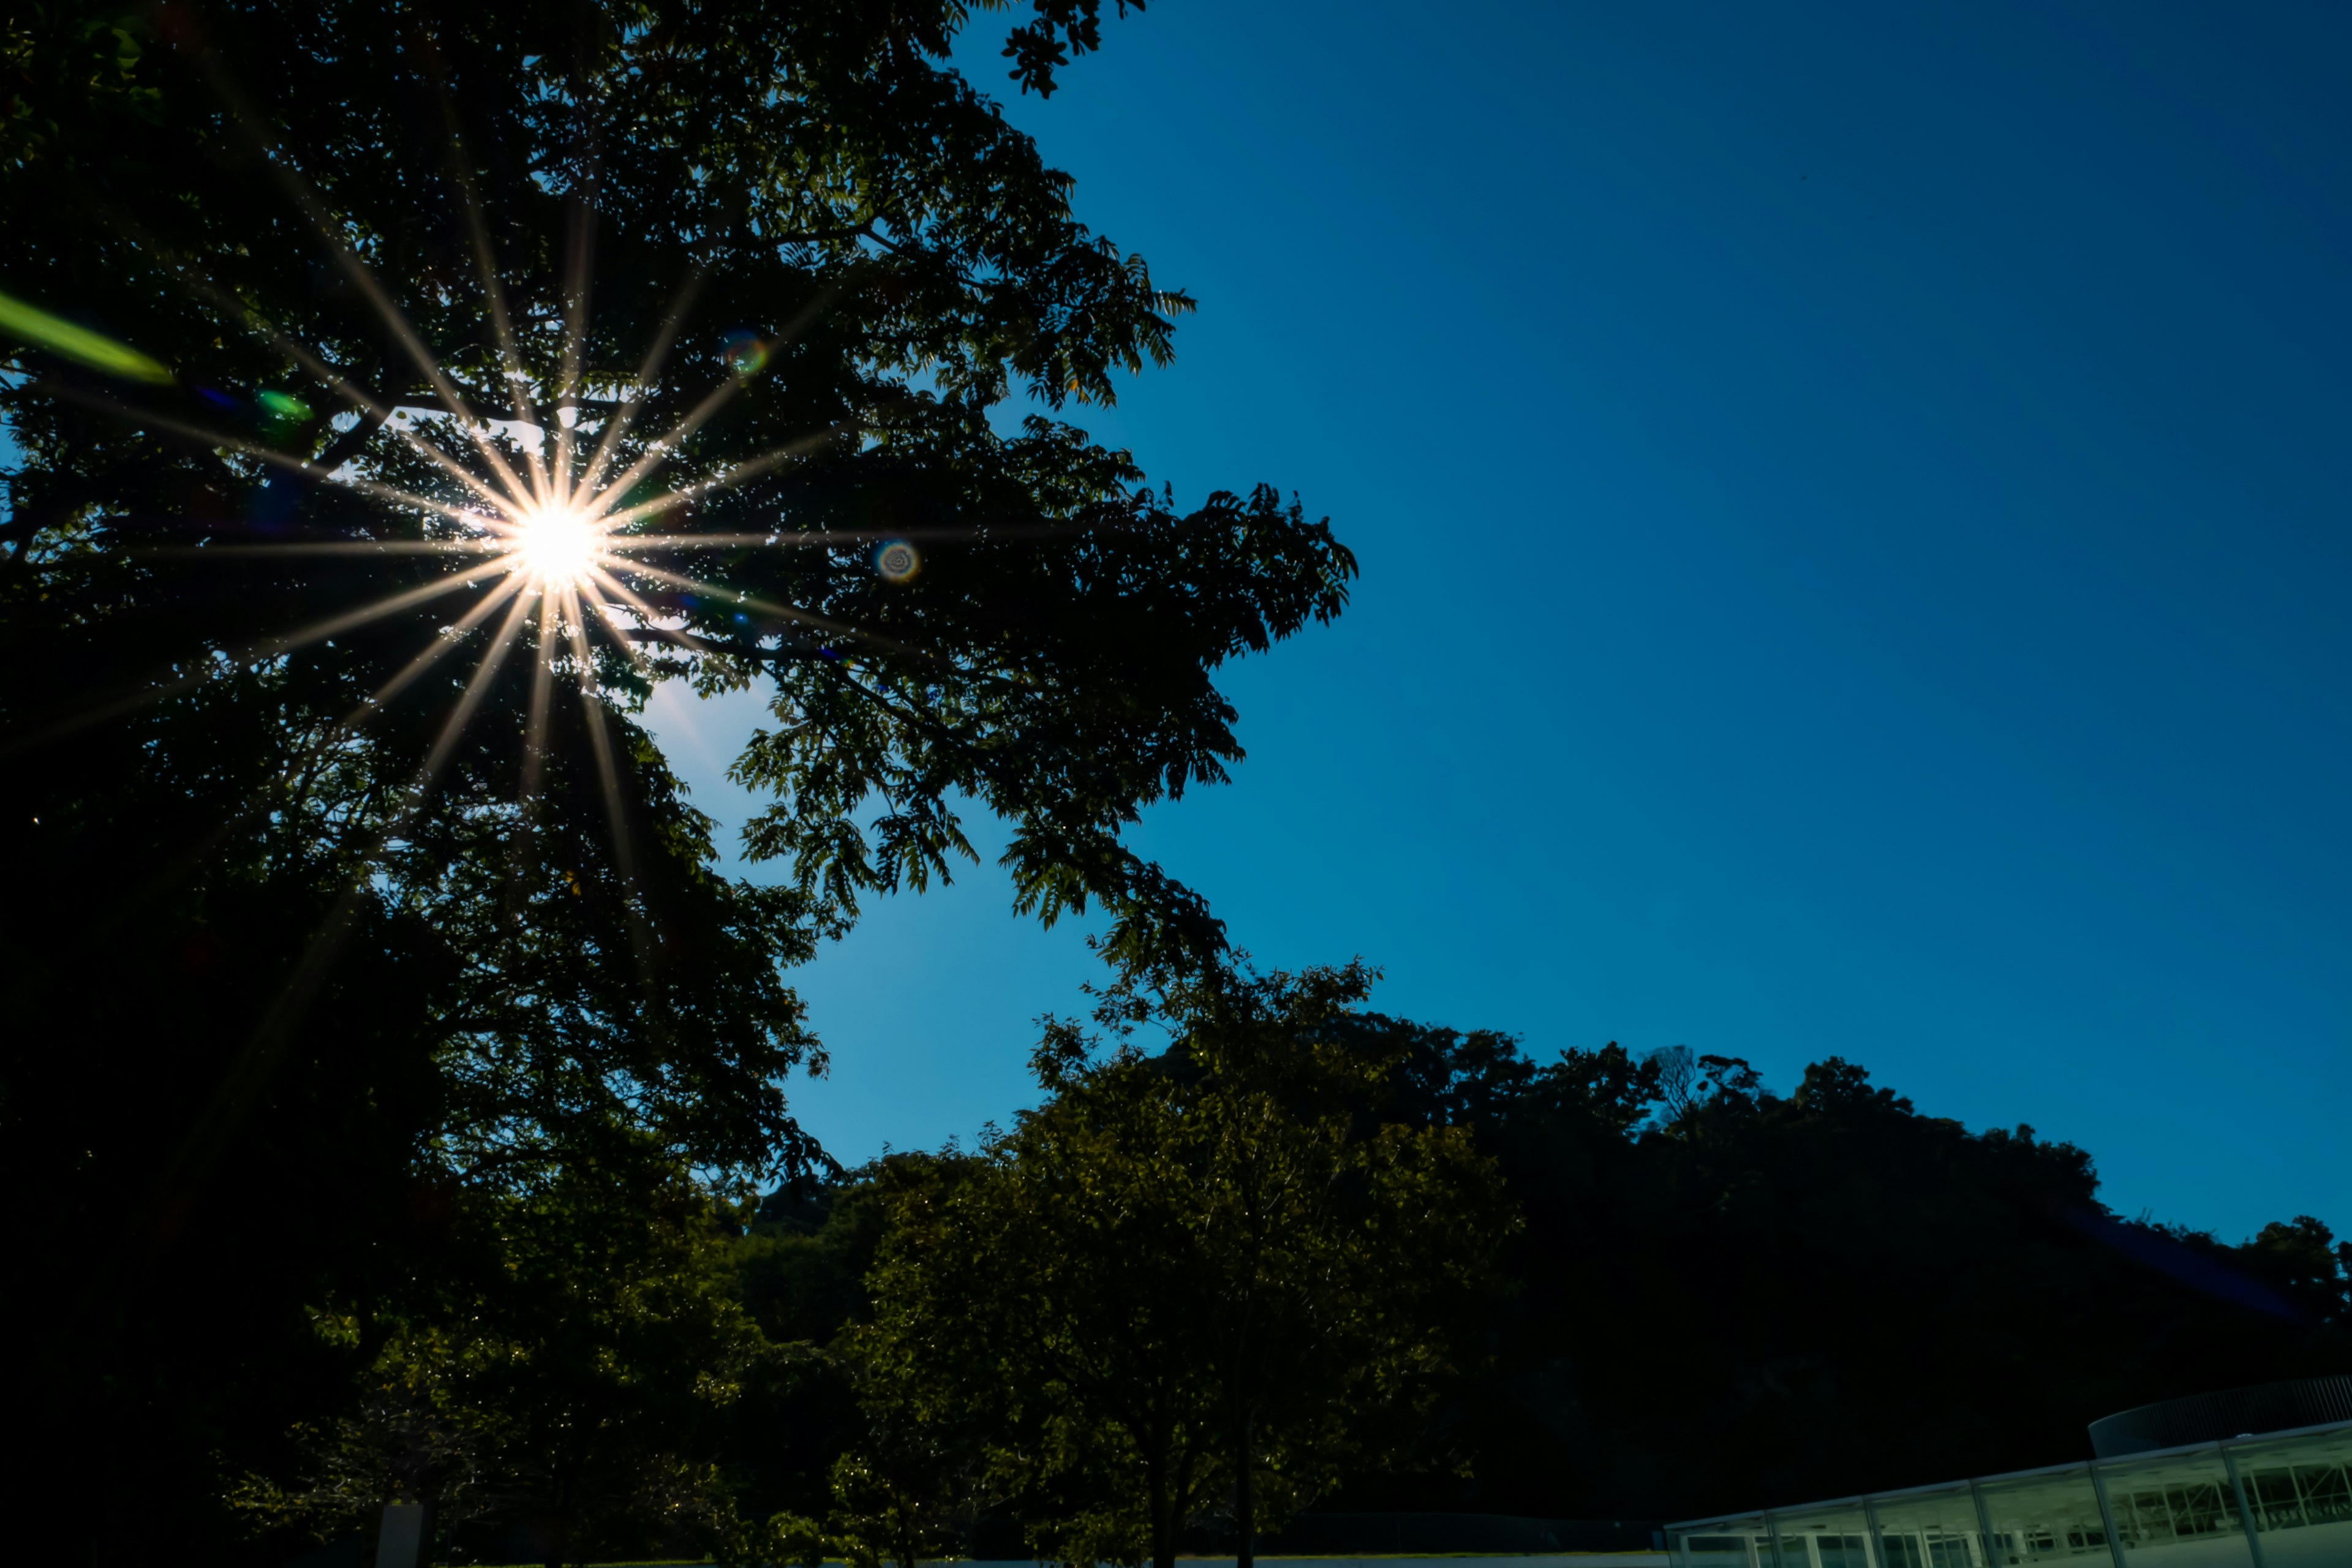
[
  {"x": 352, "y": 442},
  {"x": 729, "y": 649}
]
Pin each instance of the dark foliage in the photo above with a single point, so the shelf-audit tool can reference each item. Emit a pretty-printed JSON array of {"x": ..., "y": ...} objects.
[
  {"x": 1753, "y": 1298},
  {"x": 1725, "y": 1297},
  {"x": 312, "y": 1000}
]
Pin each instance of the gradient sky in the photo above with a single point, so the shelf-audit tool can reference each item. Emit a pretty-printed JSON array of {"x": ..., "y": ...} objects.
[{"x": 1852, "y": 509}]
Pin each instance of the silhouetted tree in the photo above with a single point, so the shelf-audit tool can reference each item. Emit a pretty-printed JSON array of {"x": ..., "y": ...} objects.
[
  {"x": 302, "y": 968},
  {"x": 1193, "y": 1277},
  {"x": 1766, "y": 1297}
]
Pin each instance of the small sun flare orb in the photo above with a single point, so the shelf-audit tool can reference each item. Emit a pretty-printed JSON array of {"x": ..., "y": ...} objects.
[{"x": 556, "y": 545}]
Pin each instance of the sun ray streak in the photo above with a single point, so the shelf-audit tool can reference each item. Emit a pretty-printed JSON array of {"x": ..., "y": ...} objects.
[
  {"x": 495, "y": 296},
  {"x": 378, "y": 409},
  {"x": 818, "y": 537},
  {"x": 423, "y": 593},
  {"x": 519, "y": 571},
  {"x": 531, "y": 782},
  {"x": 254, "y": 449},
  {"x": 543, "y": 684},
  {"x": 617, "y": 426},
  {"x": 433, "y": 653},
  {"x": 620, "y": 630},
  {"x": 208, "y": 1137},
  {"x": 438, "y": 648},
  {"x": 251, "y": 653},
  {"x": 204, "y": 289},
  {"x": 387, "y": 417},
  {"x": 322, "y": 547},
  {"x": 664, "y": 448},
  {"x": 580, "y": 241},
  {"x": 710, "y": 404},
  {"x": 727, "y": 479},
  {"x": 485, "y": 259},
  {"x": 361, "y": 276},
  {"x": 650, "y": 618},
  {"x": 261, "y": 798},
  {"x": 600, "y": 743},
  {"x": 769, "y": 607},
  {"x": 629, "y": 596},
  {"x": 455, "y": 726},
  {"x": 424, "y": 358}
]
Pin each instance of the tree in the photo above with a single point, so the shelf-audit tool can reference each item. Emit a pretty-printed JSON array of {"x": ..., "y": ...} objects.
[
  {"x": 341, "y": 902},
  {"x": 1678, "y": 1081},
  {"x": 1759, "y": 1295},
  {"x": 1209, "y": 1270},
  {"x": 806, "y": 213},
  {"x": 576, "y": 1404}
]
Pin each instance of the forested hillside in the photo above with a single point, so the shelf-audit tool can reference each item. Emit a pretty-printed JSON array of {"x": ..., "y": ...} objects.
[{"x": 1721, "y": 1295}]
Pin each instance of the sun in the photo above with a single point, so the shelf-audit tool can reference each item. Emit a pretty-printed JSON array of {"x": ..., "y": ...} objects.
[{"x": 557, "y": 545}]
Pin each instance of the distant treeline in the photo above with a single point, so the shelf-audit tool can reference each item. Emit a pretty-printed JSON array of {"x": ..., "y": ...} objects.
[{"x": 1718, "y": 1296}]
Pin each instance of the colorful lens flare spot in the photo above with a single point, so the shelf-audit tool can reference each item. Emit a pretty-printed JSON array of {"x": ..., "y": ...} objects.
[
  {"x": 281, "y": 407},
  {"x": 744, "y": 353},
  {"x": 61, "y": 337},
  {"x": 898, "y": 561}
]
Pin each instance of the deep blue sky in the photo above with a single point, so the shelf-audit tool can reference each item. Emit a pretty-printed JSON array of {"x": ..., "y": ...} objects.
[{"x": 1852, "y": 509}]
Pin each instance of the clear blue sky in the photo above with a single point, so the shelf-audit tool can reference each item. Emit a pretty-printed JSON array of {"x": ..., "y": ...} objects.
[{"x": 1853, "y": 506}]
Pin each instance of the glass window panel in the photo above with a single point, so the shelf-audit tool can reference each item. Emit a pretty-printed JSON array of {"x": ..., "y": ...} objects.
[
  {"x": 2177, "y": 1512},
  {"x": 2046, "y": 1519},
  {"x": 2277, "y": 1503},
  {"x": 2326, "y": 1499},
  {"x": 1726, "y": 1543},
  {"x": 1931, "y": 1530},
  {"x": 1843, "y": 1551},
  {"x": 2301, "y": 1499},
  {"x": 1832, "y": 1537}
]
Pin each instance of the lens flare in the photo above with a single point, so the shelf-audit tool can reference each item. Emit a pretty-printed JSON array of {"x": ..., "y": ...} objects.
[
  {"x": 898, "y": 561},
  {"x": 557, "y": 545},
  {"x": 29, "y": 325},
  {"x": 745, "y": 355}
]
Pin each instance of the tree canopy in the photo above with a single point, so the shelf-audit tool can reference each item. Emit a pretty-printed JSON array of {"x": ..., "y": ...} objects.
[
  {"x": 362, "y": 892},
  {"x": 1727, "y": 1295},
  {"x": 1208, "y": 1280}
]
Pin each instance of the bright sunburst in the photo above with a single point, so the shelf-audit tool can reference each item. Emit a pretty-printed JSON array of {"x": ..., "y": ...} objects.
[
  {"x": 557, "y": 544},
  {"x": 561, "y": 538},
  {"x": 563, "y": 526}
]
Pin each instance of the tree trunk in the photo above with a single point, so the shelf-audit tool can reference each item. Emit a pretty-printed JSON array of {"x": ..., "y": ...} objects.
[
  {"x": 1163, "y": 1526},
  {"x": 1244, "y": 1492}
]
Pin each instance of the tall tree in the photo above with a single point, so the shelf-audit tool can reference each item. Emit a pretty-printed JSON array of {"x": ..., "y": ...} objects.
[
  {"x": 393, "y": 395},
  {"x": 574, "y": 1408},
  {"x": 1211, "y": 1267}
]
